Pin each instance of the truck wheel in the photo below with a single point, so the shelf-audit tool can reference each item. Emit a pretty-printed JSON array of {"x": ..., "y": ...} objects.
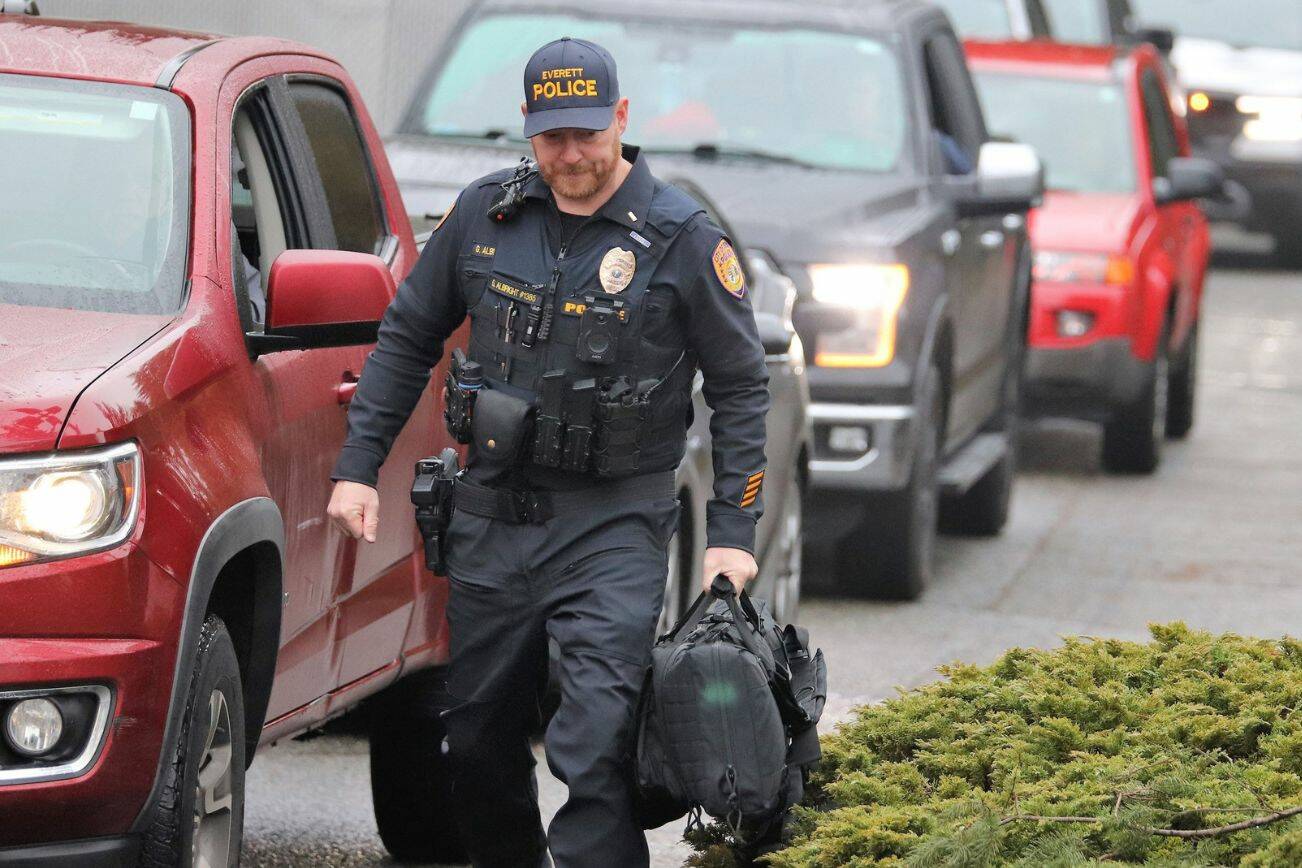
[
  {"x": 1184, "y": 383},
  {"x": 890, "y": 555},
  {"x": 199, "y": 816},
  {"x": 411, "y": 778},
  {"x": 1288, "y": 248},
  {"x": 1132, "y": 438}
]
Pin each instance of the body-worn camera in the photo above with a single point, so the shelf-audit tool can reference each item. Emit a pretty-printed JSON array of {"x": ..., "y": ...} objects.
[
  {"x": 432, "y": 495},
  {"x": 599, "y": 328}
]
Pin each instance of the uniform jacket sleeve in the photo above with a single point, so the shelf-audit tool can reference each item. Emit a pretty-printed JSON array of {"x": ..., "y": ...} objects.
[
  {"x": 428, "y": 307},
  {"x": 721, "y": 333}
]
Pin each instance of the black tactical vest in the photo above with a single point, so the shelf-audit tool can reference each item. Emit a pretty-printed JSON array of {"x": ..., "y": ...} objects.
[{"x": 546, "y": 330}]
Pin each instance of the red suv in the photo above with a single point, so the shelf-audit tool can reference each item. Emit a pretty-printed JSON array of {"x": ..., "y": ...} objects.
[
  {"x": 198, "y": 238},
  {"x": 1121, "y": 246}
]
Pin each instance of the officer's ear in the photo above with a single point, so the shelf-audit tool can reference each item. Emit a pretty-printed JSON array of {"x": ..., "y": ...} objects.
[{"x": 621, "y": 115}]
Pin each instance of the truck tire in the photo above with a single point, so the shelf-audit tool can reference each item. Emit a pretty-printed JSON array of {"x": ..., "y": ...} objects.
[
  {"x": 789, "y": 554},
  {"x": 1288, "y": 247},
  {"x": 1184, "y": 385},
  {"x": 891, "y": 555},
  {"x": 411, "y": 778},
  {"x": 199, "y": 816},
  {"x": 1133, "y": 436}
]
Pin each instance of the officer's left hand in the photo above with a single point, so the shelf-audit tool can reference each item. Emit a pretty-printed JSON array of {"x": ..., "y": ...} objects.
[{"x": 738, "y": 565}]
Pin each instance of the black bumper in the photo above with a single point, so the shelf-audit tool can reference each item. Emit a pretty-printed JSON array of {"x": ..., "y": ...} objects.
[
  {"x": 1084, "y": 382},
  {"x": 88, "y": 853}
]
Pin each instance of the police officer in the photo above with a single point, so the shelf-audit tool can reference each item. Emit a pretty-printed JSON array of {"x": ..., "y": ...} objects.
[{"x": 595, "y": 291}]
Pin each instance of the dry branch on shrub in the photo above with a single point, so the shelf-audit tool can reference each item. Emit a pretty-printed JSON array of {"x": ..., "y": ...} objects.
[{"x": 1181, "y": 751}]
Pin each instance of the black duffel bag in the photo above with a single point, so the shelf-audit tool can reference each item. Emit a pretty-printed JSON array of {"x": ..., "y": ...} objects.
[{"x": 727, "y": 720}]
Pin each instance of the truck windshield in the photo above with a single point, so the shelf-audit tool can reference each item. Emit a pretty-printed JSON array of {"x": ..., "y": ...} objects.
[
  {"x": 979, "y": 19},
  {"x": 831, "y": 100},
  {"x": 1036, "y": 110},
  {"x": 95, "y": 179},
  {"x": 1246, "y": 24}
]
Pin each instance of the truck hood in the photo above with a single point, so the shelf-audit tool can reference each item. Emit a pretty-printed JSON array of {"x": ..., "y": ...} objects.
[
  {"x": 1103, "y": 222},
  {"x": 48, "y": 357},
  {"x": 798, "y": 214},
  {"x": 1205, "y": 64}
]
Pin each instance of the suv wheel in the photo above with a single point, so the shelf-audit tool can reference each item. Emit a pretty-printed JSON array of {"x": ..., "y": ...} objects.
[
  {"x": 891, "y": 554},
  {"x": 1132, "y": 438},
  {"x": 1184, "y": 384},
  {"x": 411, "y": 777},
  {"x": 199, "y": 817}
]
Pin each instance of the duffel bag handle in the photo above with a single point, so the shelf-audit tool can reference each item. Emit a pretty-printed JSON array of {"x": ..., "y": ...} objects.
[{"x": 720, "y": 589}]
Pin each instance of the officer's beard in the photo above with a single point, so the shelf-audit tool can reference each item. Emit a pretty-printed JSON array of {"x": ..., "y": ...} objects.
[{"x": 584, "y": 180}]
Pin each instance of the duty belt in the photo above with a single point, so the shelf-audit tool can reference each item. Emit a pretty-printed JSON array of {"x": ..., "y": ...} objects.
[{"x": 516, "y": 506}]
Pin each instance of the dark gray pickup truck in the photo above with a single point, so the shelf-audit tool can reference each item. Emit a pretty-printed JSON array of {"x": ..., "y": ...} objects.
[{"x": 846, "y": 144}]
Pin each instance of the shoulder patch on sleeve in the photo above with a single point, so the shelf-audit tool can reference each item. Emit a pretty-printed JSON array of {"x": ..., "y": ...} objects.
[
  {"x": 444, "y": 218},
  {"x": 728, "y": 269}
]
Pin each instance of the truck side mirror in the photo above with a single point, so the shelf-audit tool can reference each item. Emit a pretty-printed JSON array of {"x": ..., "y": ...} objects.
[
  {"x": 774, "y": 333},
  {"x": 1189, "y": 178},
  {"x": 1161, "y": 38},
  {"x": 323, "y": 298},
  {"x": 1009, "y": 178}
]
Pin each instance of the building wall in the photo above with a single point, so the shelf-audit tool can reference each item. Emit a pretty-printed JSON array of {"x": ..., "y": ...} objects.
[{"x": 385, "y": 44}]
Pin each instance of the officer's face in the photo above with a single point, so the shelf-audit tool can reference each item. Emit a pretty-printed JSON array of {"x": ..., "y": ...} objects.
[{"x": 576, "y": 164}]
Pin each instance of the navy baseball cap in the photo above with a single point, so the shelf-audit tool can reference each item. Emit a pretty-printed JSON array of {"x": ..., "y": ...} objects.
[{"x": 569, "y": 83}]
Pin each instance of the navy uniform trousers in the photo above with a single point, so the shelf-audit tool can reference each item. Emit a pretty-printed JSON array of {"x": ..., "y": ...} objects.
[{"x": 593, "y": 581}]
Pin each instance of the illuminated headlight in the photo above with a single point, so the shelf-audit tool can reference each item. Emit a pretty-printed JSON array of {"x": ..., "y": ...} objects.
[
  {"x": 1277, "y": 118},
  {"x": 870, "y": 297},
  {"x": 1056, "y": 266},
  {"x": 67, "y": 504}
]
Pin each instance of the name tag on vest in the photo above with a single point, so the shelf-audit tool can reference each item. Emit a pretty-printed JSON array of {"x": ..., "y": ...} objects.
[{"x": 514, "y": 292}]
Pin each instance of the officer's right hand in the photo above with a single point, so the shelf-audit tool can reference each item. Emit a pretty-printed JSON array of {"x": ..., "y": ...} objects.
[{"x": 355, "y": 509}]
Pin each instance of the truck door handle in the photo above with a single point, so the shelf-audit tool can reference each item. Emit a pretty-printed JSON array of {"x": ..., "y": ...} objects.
[
  {"x": 991, "y": 239},
  {"x": 347, "y": 389}
]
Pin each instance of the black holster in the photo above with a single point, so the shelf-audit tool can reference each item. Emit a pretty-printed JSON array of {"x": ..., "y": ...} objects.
[{"x": 432, "y": 495}]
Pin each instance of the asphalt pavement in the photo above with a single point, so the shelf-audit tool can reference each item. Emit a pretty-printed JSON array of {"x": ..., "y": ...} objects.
[{"x": 1212, "y": 539}]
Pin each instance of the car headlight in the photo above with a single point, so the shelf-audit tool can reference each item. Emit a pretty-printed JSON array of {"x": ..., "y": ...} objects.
[
  {"x": 1277, "y": 118},
  {"x": 66, "y": 504},
  {"x": 1057, "y": 266},
  {"x": 870, "y": 297}
]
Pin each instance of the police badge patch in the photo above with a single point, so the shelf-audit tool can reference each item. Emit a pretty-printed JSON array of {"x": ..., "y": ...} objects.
[
  {"x": 617, "y": 268},
  {"x": 728, "y": 269}
]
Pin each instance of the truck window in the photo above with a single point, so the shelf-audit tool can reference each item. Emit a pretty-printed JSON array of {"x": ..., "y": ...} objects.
[
  {"x": 1162, "y": 141},
  {"x": 339, "y": 150},
  {"x": 261, "y": 207},
  {"x": 954, "y": 107},
  {"x": 95, "y": 187}
]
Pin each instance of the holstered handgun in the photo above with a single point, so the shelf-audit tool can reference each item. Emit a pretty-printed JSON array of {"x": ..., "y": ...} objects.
[{"x": 432, "y": 495}]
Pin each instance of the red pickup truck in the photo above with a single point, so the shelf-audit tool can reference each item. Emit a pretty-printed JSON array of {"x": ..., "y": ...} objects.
[
  {"x": 1121, "y": 246},
  {"x": 199, "y": 236}
]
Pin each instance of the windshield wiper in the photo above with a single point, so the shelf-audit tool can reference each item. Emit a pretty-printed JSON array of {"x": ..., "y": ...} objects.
[{"x": 713, "y": 150}]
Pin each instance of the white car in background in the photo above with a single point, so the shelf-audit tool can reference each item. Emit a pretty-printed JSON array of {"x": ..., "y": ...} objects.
[{"x": 1240, "y": 64}]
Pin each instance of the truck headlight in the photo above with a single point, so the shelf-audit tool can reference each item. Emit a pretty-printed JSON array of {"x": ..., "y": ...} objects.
[
  {"x": 66, "y": 504},
  {"x": 1277, "y": 118},
  {"x": 1060, "y": 266},
  {"x": 870, "y": 297}
]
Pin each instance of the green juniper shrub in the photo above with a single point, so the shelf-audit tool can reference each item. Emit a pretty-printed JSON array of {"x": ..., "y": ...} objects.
[{"x": 1100, "y": 752}]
